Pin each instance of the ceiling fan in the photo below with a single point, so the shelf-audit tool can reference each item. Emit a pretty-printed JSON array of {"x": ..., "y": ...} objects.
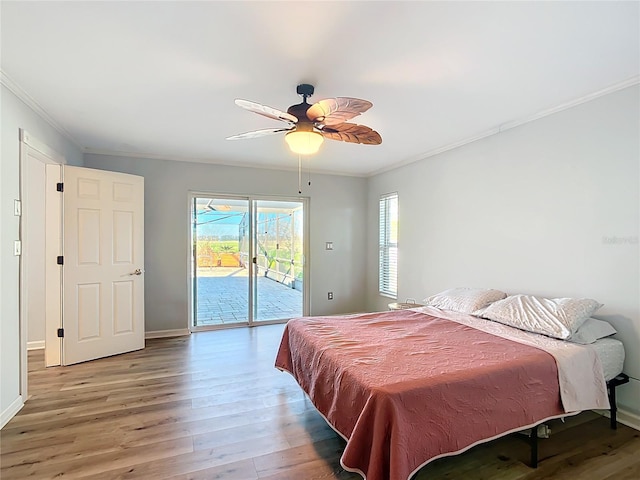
[{"x": 308, "y": 125}]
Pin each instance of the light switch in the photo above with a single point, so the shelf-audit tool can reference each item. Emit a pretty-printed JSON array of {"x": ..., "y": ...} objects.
[{"x": 329, "y": 246}]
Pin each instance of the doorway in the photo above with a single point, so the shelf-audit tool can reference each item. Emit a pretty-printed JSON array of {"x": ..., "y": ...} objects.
[
  {"x": 43, "y": 269},
  {"x": 247, "y": 260}
]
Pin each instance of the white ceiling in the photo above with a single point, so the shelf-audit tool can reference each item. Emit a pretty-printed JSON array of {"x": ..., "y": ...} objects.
[{"x": 159, "y": 79}]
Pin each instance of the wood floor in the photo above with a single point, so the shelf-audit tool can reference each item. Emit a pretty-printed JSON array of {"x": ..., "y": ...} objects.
[{"x": 211, "y": 406}]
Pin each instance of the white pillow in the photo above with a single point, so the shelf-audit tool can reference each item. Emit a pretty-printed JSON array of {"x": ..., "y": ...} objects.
[
  {"x": 465, "y": 300},
  {"x": 554, "y": 317},
  {"x": 591, "y": 330}
]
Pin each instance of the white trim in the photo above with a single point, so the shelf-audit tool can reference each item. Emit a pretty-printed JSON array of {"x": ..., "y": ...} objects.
[
  {"x": 43, "y": 148},
  {"x": 11, "y": 411},
  {"x": 36, "y": 345},
  {"x": 31, "y": 147},
  {"x": 53, "y": 272},
  {"x": 177, "y": 332},
  {"x": 624, "y": 417},
  {"x": 629, "y": 419},
  {"x": 30, "y": 102},
  {"x": 516, "y": 123},
  {"x": 210, "y": 161}
]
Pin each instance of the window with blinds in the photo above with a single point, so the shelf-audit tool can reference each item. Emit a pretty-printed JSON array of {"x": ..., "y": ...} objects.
[{"x": 388, "y": 261}]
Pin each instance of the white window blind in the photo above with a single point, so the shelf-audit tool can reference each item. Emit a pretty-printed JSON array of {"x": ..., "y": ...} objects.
[{"x": 388, "y": 262}]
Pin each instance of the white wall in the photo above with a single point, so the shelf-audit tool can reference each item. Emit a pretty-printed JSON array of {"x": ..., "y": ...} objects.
[
  {"x": 549, "y": 208},
  {"x": 337, "y": 213},
  {"x": 14, "y": 114}
]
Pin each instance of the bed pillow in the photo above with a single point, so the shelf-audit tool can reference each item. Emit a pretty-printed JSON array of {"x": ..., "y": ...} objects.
[
  {"x": 591, "y": 330},
  {"x": 554, "y": 317},
  {"x": 465, "y": 300}
]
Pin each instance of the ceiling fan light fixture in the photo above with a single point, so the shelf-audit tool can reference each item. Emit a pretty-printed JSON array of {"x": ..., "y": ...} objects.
[{"x": 304, "y": 142}]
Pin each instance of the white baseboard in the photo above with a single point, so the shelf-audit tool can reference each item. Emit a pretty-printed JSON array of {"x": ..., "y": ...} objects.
[
  {"x": 178, "y": 332},
  {"x": 11, "y": 411},
  {"x": 624, "y": 417},
  {"x": 629, "y": 419},
  {"x": 37, "y": 345}
]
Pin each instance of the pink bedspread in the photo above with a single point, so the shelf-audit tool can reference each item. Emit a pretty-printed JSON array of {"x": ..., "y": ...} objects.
[{"x": 405, "y": 388}]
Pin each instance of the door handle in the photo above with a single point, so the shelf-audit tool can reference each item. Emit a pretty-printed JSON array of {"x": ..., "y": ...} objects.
[{"x": 137, "y": 272}]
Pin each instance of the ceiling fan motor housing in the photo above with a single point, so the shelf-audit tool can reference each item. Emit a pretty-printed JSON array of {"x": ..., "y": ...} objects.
[
  {"x": 300, "y": 112},
  {"x": 305, "y": 90}
]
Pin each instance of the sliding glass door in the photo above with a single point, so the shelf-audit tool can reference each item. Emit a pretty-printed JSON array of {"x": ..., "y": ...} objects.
[
  {"x": 247, "y": 260},
  {"x": 279, "y": 252}
]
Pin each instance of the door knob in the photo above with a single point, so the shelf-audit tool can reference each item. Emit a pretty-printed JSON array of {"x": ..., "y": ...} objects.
[{"x": 137, "y": 272}]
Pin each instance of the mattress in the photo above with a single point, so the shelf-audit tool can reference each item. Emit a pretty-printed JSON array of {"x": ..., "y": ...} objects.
[{"x": 611, "y": 354}]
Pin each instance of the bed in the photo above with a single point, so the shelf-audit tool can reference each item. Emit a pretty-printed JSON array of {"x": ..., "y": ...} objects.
[{"x": 404, "y": 388}]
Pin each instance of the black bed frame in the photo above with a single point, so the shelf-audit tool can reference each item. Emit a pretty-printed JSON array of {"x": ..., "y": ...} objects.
[{"x": 611, "y": 388}]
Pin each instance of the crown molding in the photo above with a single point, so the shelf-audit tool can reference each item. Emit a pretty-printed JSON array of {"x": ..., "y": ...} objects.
[
  {"x": 516, "y": 123},
  {"x": 177, "y": 158},
  {"x": 30, "y": 102},
  {"x": 22, "y": 95}
]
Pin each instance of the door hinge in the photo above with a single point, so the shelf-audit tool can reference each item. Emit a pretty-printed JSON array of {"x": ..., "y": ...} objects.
[
  {"x": 60, "y": 187},
  {"x": 60, "y": 260},
  {"x": 61, "y": 333}
]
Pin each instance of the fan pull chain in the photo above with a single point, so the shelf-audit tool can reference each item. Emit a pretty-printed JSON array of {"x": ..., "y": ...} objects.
[
  {"x": 299, "y": 174},
  {"x": 309, "y": 170}
]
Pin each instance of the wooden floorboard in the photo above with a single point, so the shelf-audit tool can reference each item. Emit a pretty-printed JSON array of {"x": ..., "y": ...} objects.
[{"x": 212, "y": 406}]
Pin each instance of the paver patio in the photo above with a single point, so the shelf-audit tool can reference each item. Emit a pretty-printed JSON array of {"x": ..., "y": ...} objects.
[{"x": 222, "y": 294}]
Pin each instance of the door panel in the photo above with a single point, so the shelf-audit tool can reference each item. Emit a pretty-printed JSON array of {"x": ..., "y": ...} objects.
[
  {"x": 279, "y": 260},
  {"x": 53, "y": 272},
  {"x": 88, "y": 240},
  {"x": 103, "y": 299},
  {"x": 123, "y": 307},
  {"x": 88, "y": 311},
  {"x": 220, "y": 261}
]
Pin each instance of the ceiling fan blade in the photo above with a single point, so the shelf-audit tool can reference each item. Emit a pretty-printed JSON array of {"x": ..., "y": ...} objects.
[
  {"x": 259, "y": 133},
  {"x": 333, "y": 111},
  {"x": 266, "y": 111},
  {"x": 352, "y": 133}
]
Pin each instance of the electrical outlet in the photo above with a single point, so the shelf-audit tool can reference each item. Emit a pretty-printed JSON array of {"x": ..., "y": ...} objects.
[
  {"x": 330, "y": 295},
  {"x": 328, "y": 246}
]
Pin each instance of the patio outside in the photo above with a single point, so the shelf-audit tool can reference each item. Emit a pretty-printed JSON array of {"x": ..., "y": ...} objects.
[{"x": 223, "y": 297}]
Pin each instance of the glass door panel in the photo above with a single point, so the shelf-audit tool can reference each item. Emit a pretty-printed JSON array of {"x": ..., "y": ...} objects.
[
  {"x": 220, "y": 263},
  {"x": 279, "y": 260}
]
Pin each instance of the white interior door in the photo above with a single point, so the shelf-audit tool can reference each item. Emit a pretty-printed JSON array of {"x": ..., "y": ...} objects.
[{"x": 103, "y": 281}]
